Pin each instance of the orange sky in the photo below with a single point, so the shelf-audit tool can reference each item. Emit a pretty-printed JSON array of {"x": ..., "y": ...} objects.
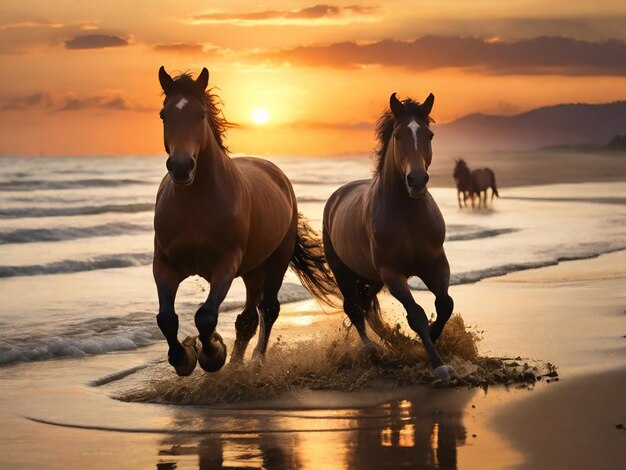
[{"x": 81, "y": 77}]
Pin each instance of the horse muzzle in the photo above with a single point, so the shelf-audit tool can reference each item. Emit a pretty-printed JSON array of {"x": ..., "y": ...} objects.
[
  {"x": 416, "y": 186},
  {"x": 181, "y": 170}
]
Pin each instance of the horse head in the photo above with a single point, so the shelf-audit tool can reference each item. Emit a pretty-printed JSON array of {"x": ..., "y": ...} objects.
[
  {"x": 186, "y": 130},
  {"x": 460, "y": 169},
  {"x": 412, "y": 150}
]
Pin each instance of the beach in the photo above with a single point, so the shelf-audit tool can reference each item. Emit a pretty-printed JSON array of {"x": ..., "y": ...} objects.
[
  {"x": 569, "y": 424},
  {"x": 540, "y": 276}
]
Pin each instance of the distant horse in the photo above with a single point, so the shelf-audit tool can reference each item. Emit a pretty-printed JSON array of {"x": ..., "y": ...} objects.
[
  {"x": 220, "y": 219},
  {"x": 381, "y": 231},
  {"x": 474, "y": 183}
]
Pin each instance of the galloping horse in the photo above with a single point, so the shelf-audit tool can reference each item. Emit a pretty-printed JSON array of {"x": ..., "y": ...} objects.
[
  {"x": 222, "y": 218},
  {"x": 381, "y": 231},
  {"x": 474, "y": 183}
]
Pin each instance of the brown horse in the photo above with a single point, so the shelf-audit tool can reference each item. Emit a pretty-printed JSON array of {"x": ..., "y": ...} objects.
[
  {"x": 381, "y": 231},
  {"x": 474, "y": 183},
  {"x": 220, "y": 219}
]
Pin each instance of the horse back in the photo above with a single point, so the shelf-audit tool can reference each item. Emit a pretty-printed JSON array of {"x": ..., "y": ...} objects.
[{"x": 482, "y": 179}]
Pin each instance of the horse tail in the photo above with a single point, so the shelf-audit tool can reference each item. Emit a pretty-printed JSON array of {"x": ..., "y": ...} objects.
[
  {"x": 494, "y": 188},
  {"x": 392, "y": 337},
  {"x": 309, "y": 264}
]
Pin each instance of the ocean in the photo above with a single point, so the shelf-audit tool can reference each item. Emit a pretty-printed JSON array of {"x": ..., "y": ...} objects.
[{"x": 76, "y": 246}]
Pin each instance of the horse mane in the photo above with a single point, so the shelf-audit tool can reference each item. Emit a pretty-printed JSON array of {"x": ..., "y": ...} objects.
[
  {"x": 461, "y": 168},
  {"x": 186, "y": 85},
  {"x": 384, "y": 129}
]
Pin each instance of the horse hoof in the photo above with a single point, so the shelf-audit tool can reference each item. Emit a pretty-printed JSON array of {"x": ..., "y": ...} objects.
[
  {"x": 443, "y": 372},
  {"x": 217, "y": 360},
  {"x": 191, "y": 357}
]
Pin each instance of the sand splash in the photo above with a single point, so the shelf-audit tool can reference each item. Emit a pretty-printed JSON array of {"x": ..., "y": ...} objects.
[{"x": 336, "y": 361}]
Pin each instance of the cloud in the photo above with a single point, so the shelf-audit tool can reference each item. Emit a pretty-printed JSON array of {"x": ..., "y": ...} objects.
[
  {"x": 45, "y": 102},
  {"x": 36, "y": 100},
  {"x": 92, "y": 102},
  {"x": 308, "y": 16},
  {"x": 196, "y": 48},
  {"x": 95, "y": 41},
  {"x": 28, "y": 36},
  {"x": 535, "y": 56}
]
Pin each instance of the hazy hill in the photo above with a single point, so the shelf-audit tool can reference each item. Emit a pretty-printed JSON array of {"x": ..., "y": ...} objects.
[{"x": 565, "y": 124}]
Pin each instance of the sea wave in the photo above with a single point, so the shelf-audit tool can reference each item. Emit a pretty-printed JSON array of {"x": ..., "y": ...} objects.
[
  {"x": 97, "y": 336},
  {"x": 30, "y": 185},
  {"x": 487, "y": 233},
  {"x": 118, "y": 260},
  {"x": 107, "y": 334},
  {"x": 21, "y": 212},
  {"x": 70, "y": 233},
  {"x": 470, "y": 277}
]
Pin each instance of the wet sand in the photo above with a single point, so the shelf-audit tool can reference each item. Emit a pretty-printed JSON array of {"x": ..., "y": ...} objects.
[{"x": 571, "y": 314}]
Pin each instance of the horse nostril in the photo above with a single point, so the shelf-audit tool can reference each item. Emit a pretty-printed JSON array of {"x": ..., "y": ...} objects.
[
  {"x": 426, "y": 178},
  {"x": 410, "y": 179},
  {"x": 192, "y": 164},
  {"x": 169, "y": 165}
]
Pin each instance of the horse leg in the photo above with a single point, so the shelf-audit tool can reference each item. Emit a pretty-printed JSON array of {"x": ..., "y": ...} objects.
[
  {"x": 437, "y": 279},
  {"x": 248, "y": 320},
  {"x": 458, "y": 197},
  {"x": 274, "y": 269},
  {"x": 399, "y": 288},
  {"x": 212, "y": 354},
  {"x": 167, "y": 278},
  {"x": 348, "y": 281}
]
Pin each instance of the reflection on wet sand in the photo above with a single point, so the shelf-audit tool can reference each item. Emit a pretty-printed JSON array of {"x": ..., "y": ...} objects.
[{"x": 423, "y": 431}]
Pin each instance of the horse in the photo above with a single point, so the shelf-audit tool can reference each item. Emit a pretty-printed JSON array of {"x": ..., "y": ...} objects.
[
  {"x": 381, "y": 231},
  {"x": 474, "y": 183},
  {"x": 222, "y": 218}
]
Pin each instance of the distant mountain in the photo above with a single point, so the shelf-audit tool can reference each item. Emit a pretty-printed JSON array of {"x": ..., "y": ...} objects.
[
  {"x": 617, "y": 143},
  {"x": 564, "y": 124}
]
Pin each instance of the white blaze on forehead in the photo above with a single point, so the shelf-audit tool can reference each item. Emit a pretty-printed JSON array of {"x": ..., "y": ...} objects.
[
  {"x": 181, "y": 104},
  {"x": 414, "y": 126}
]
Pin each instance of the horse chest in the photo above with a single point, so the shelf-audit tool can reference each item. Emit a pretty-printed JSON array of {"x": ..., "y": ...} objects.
[
  {"x": 194, "y": 240},
  {"x": 408, "y": 242}
]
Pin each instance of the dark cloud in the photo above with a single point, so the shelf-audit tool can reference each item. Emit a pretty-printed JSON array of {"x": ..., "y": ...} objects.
[
  {"x": 316, "y": 12},
  {"x": 36, "y": 100},
  {"x": 45, "y": 102},
  {"x": 542, "y": 55},
  {"x": 92, "y": 102},
  {"x": 27, "y": 36},
  {"x": 95, "y": 41}
]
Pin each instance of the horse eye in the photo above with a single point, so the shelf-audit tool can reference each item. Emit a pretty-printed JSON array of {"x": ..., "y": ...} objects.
[{"x": 202, "y": 116}]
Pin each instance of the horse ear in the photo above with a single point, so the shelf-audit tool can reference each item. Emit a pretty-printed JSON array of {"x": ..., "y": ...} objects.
[
  {"x": 397, "y": 108},
  {"x": 166, "y": 81},
  {"x": 203, "y": 79},
  {"x": 427, "y": 105}
]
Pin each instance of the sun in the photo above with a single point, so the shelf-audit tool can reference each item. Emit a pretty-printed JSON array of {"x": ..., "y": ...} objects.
[{"x": 260, "y": 115}]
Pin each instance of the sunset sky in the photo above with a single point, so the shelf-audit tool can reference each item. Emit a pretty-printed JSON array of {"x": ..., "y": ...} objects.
[{"x": 80, "y": 78}]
